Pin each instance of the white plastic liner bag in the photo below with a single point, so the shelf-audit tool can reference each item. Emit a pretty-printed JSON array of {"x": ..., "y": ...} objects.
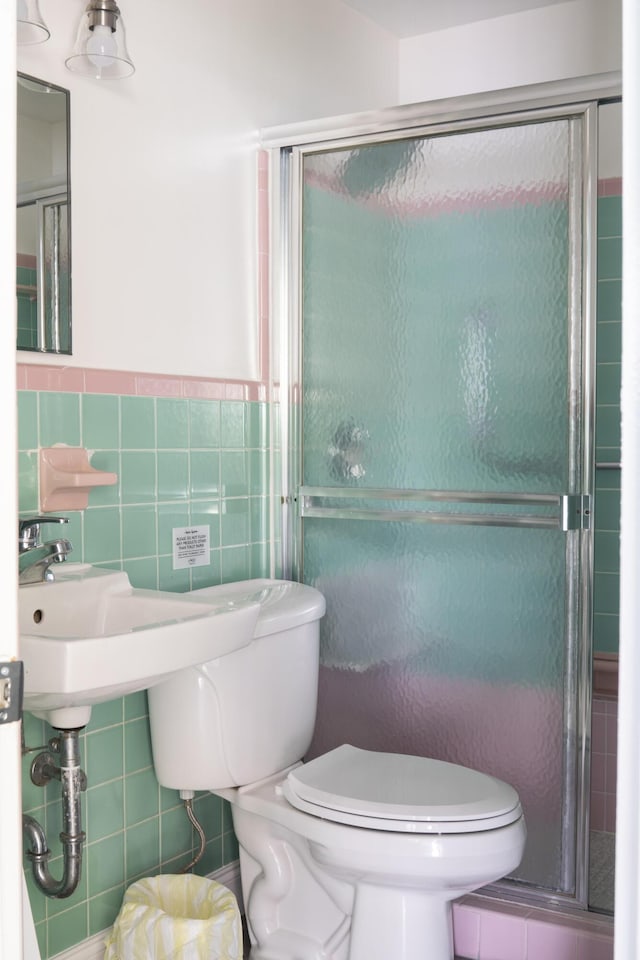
[{"x": 176, "y": 917}]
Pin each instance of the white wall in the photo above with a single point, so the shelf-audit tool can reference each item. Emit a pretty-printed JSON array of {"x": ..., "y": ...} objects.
[
  {"x": 163, "y": 166},
  {"x": 571, "y": 39}
]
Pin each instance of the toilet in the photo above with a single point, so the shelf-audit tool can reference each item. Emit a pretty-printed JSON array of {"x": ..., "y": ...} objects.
[{"x": 355, "y": 855}]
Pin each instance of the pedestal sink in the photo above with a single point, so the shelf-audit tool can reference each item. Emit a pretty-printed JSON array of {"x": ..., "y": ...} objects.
[{"x": 89, "y": 636}]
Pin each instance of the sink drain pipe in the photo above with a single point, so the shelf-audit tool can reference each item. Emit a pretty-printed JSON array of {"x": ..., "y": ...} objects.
[{"x": 44, "y": 769}]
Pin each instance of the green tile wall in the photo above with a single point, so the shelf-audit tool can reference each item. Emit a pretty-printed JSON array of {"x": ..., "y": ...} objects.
[
  {"x": 179, "y": 462},
  {"x": 27, "y": 308},
  {"x": 608, "y": 364}
]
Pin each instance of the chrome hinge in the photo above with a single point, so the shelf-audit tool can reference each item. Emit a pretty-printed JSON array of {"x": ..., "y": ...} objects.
[
  {"x": 11, "y": 690},
  {"x": 576, "y": 512}
]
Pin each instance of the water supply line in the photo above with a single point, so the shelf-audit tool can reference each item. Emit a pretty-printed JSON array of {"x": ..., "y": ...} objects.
[
  {"x": 187, "y": 797},
  {"x": 44, "y": 769}
]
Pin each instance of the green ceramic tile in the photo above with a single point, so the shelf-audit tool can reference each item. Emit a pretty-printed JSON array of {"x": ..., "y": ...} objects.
[
  {"x": 609, "y": 217},
  {"x": 170, "y": 516},
  {"x": 173, "y": 475},
  {"x": 141, "y": 796},
  {"x": 32, "y": 796},
  {"x": 606, "y": 593},
  {"x": 227, "y": 818},
  {"x": 28, "y": 492},
  {"x": 79, "y": 896},
  {"x": 235, "y": 564},
  {"x": 59, "y": 419},
  {"x": 143, "y": 848},
  {"x": 606, "y": 552},
  {"x": 138, "y": 482},
  {"x": 233, "y": 424},
  {"x": 608, "y": 427},
  {"x": 169, "y": 799},
  {"x": 108, "y": 495},
  {"x": 100, "y": 421},
  {"x": 208, "y": 809},
  {"x": 207, "y": 575},
  {"x": 607, "y": 509},
  {"x": 139, "y": 537},
  {"x": 260, "y": 559},
  {"x": 138, "y": 423},
  {"x": 258, "y": 472},
  {"x": 211, "y": 860},
  {"x": 37, "y": 899},
  {"x": 259, "y": 507},
  {"x": 204, "y": 474},
  {"x": 136, "y": 705},
  {"x": 606, "y": 631},
  {"x": 41, "y": 936},
  {"x": 609, "y": 305},
  {"x": 258, "y": 425},
  {"x": 27, "y": 420},
  {"x": 609, "y": 342},
  {"x": 610, "y": 258},
  {"x": 67, "y": 929},
  {"x": 105, "y": 809},
  {"x": 172, "y": 424},
  {"x": 137, "y": 745},
  {"x": 105, "y": 715},
  {"x": 235, "y": 522},
  {"x": 102, "y": 535},
  {"x": 230, "y": 848},
  {"x": 169, "y": 579},
  {"x": 104, "y": 756},
  {"x": 176, "y": 835},
  {"x": 105, "y": 864},
  {"x": 143, "y": 573},
  {"x": 206, "y": 513},
  {"x": 234, "y": 473},
  {"x": 104, "y": 909},
  {"x": 204, "y": 419},
  {"x": 608, "y": 479},
  {"x": 608, "y": 377}
]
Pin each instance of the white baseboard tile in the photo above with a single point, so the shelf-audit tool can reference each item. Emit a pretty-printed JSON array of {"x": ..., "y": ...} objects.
[{"x": 93, "y": 948}]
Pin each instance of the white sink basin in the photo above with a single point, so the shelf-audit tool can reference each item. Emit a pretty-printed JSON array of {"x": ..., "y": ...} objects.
[{"x": 89, "y": 636}]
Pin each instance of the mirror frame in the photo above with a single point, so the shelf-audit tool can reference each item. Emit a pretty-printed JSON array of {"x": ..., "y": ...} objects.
[{"x": 54, "y": 325}]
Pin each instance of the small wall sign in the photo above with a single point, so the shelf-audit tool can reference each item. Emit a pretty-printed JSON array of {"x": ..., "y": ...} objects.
[{"x": 190, "y": 547}]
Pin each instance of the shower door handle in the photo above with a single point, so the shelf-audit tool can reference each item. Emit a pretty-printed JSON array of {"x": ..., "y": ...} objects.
[{"x": 546, "y": 511}]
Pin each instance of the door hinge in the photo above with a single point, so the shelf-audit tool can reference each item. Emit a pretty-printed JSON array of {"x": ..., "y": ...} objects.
[
  {"x": 576, "y": 512},
  {"x": 11, "y": 690}
]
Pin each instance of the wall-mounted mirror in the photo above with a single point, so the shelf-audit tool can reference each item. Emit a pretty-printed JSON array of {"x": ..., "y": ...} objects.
[{"x": 43, "y": 270}]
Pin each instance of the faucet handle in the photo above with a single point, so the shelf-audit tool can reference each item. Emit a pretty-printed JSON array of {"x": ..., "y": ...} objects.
[{"x": 29, "y": 530}]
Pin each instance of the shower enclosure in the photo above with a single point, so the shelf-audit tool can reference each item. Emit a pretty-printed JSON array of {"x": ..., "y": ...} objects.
[{"x": 439, "y": 445}]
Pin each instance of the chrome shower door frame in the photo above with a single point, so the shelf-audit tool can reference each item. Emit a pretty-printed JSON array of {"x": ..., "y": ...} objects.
[{"x": 288, "y": 148}]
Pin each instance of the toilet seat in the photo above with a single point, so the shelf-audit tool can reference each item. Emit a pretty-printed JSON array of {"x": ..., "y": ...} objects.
[{"x": 399, "y": 793}]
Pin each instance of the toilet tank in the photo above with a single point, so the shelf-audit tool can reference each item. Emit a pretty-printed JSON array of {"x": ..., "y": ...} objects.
[{"x": 247, "y": 715}]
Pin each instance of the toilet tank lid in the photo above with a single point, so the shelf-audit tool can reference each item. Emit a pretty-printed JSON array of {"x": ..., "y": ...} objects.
[{"x": 283, "y": 603}]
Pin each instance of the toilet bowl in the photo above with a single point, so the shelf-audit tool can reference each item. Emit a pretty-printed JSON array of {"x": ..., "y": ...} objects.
[{"x": 355, "y": 855}]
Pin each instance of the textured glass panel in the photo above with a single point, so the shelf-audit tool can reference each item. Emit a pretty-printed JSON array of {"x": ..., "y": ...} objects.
[
  {"x": 448, "y": 642},
  {"x": 435, "y": 356},
  {"x": 435, "y": 312}
]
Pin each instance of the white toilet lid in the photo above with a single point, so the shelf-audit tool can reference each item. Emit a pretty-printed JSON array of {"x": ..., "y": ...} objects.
[{"x": 391, "y": 791}]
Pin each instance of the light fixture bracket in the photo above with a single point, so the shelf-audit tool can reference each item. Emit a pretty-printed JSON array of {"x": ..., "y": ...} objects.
[{"x": 103, "y": 13}]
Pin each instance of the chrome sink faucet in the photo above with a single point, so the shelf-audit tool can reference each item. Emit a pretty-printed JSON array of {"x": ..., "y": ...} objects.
[{"x": 35, "y": 558}]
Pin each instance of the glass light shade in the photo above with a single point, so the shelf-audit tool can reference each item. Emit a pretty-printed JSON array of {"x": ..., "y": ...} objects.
[
  {"x": 101, "y": 47},
  {"x": 30, "y": 27}
]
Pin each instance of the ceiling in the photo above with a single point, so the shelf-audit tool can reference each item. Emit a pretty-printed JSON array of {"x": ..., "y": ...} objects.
[{"x": 408, "y": 18}]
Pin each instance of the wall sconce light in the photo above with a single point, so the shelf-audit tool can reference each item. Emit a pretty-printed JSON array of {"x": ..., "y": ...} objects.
[
  {"x": 101, "y": 47},
  {"x": 30, "y": 28}
]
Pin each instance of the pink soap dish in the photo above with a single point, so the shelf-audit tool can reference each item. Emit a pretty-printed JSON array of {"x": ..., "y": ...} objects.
[{"x": 67, "y": 477}]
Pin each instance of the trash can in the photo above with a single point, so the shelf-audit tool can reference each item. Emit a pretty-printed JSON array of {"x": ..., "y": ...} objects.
[{"x": 176, "y": 917}]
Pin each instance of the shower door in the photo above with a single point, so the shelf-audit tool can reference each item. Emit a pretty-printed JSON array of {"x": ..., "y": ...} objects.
[{"x": 442, "y": 433}]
